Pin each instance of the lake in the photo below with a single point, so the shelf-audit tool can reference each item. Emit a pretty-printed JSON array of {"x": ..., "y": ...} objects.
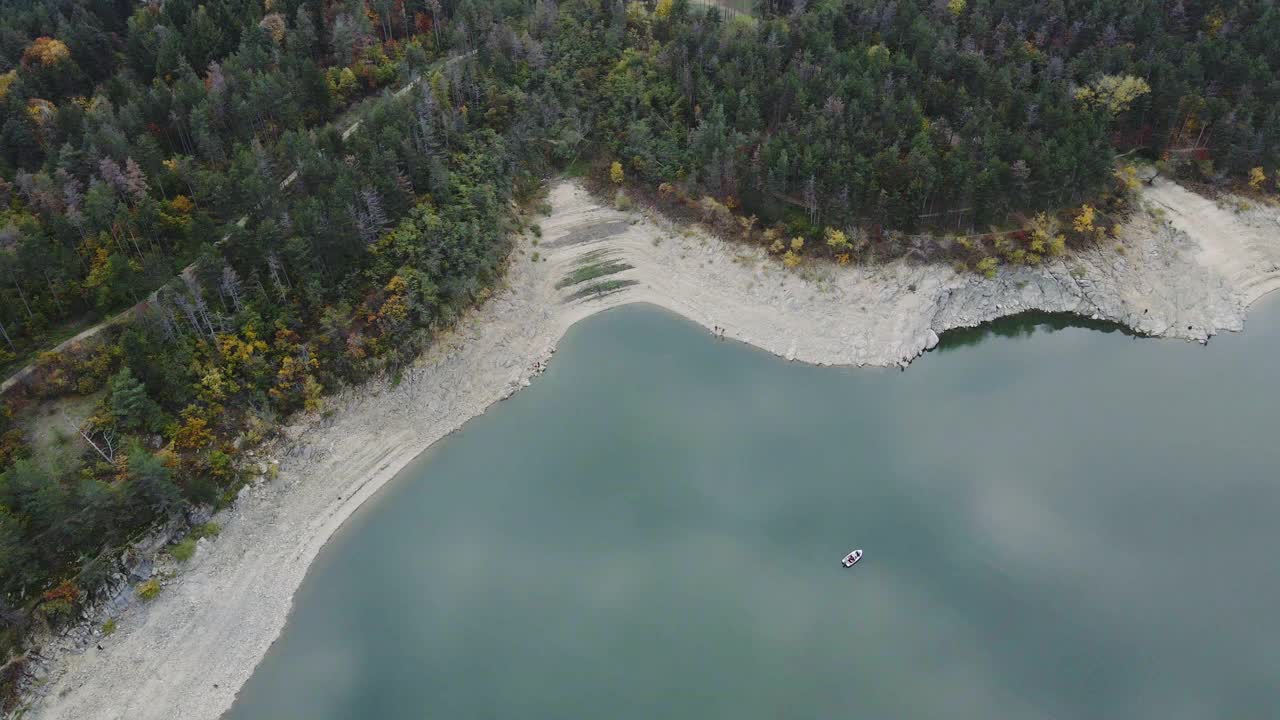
[{"x": 1059, "y": 522}]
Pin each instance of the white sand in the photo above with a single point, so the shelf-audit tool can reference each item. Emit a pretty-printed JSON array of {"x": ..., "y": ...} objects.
[{"x": 186, "y": 654}]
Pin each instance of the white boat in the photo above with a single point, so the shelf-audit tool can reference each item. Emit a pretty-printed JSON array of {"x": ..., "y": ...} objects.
[{"x": 851, "y": 559}]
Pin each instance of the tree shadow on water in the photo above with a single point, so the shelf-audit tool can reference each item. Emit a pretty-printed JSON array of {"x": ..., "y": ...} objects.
[{"x": 1024, "y": 325}]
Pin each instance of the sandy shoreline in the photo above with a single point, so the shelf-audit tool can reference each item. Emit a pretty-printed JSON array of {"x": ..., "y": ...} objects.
[{"x": 1189, "y": 274}]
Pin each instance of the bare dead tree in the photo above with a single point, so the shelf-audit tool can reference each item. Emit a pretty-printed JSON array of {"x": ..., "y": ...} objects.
[
  {"x": 21, "y": 295},
  {"x": 811, "y": 198},
  {"x": 198, "y": 303},
  {"x": 164, "y": 313},
  {"x": 189, "y": 310},
  {"x": 231, "y": 287},
  {"x": 279, "y": 277},
  {"x": 7, "y": 339},
  {"x": 107, "y": 445}
]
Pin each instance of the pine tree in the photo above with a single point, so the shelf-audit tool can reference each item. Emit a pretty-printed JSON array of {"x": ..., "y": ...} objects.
[
  {"x": 130, "y": 406},
  {"x": 150, "y": 483}
]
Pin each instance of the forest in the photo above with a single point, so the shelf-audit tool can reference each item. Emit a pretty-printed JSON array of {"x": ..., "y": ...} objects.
[{"x": 192, "y": 169}]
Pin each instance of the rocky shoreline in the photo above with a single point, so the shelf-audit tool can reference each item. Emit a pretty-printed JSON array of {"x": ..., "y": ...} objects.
[{"x": 1188, "y": 269}]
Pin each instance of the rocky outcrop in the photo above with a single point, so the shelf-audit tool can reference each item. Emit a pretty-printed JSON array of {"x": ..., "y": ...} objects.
[{"x": 1158, "y": 279}]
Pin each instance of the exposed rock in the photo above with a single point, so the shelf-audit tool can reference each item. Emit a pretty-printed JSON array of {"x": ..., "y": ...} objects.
[
  {"x": 199, "y": 515},
  {"x": 137, "y": 566}
]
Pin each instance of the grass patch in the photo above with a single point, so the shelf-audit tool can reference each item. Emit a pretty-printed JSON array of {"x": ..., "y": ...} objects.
[
  {"x": 109, "y": 627},
  {"x": 55, "y": 447},
  {"x": 591, "y": 272},
  {"x": 183, "y": 551},
  {"x": 149, "y": 590},
  {"x": 577, "y": 169},
  {"x": 207, "y": 530},
  {"x": 596, "y": 255},
  {"x": 600, "y": 289}
]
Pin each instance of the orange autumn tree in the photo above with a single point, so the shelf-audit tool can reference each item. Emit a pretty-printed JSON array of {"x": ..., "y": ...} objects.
[
  {"x": 194, "y": 432},
  {"x": 46, "y": 51}
]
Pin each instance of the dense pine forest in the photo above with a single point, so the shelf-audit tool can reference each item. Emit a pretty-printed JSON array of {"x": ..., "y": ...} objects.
[{"x": 197, "y": 162}]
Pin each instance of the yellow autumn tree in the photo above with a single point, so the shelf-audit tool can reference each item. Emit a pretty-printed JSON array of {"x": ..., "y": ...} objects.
[
  {"x": 215, "y": 387},
  {"x": 1045, "y": 238},
  {"x": 346, "y": 80},
  {"x": 1084, "y": 219},
  {"x": 96, "y": 251},
  {"x": 341, "y": 81},
  {"x": 1127, "y": 175},
  {"x": 837, "y": 239},
  {"x": 236, "y": 352},
  {"x": 1257, "y": 176},
  {"x": 312, "y": 394},
  {"x": 791, "y": 259},
  {"x": 956, "y": 6},
  {"x": 616, "y": 175},
  {"x": 1113, "y": 93},
  {"x": 396, "y": 307},
  {"x": 182, "y": 204}
]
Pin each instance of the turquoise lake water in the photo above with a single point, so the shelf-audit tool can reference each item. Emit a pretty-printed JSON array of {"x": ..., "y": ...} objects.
[{"x": 1059, "y": 522}]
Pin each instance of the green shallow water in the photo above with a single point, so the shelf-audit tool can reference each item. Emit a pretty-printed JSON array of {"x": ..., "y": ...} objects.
[{"x": 1058, "y": 523}]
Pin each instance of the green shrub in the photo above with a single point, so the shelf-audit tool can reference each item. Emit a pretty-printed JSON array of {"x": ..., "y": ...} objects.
[
  {"x": 58, "y": 611},
  {"x": 109, "y": 627},
  {"x": 987, "y": 266}
]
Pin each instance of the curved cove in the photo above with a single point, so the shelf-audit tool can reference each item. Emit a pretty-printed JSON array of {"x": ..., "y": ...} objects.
[{"x": 1056, "y": 524}]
